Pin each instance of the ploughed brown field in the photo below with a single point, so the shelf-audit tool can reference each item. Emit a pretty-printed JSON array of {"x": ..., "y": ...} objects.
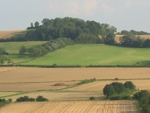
[
  {"x": 31, "y": 79},
  {"x": 117, "y": 37},
  {"x": 7, "y": 34},
  {"x": 72, "y": 107}
]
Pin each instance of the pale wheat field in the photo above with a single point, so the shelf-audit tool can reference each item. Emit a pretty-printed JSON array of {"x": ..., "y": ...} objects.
[
  {"x": 117, "y": 37},
  {"x": 72, "y": 107},
  {"x": 8, "y": 34}
]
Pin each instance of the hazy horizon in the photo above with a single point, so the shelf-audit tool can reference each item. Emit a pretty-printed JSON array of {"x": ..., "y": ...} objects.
[{"x": 124, "y": 14}]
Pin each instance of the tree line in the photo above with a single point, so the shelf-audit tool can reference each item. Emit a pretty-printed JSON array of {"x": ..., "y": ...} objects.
[
  {"x": 133, "y": 32},
  {"x": 41, "y": 50},
  {"x": 134, "y": 41}
]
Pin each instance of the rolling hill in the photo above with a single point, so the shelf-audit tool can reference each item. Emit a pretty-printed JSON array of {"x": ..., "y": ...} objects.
[{"x": 95, "y": 54}]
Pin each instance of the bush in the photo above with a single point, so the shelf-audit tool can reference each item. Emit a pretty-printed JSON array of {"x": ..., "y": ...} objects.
[
  {"x": 116, "y": 78},
  {"x": 92, "y": 98},
  {"x": 87, "y": 81},
  {"x": 115, "y": 98},
  {"x": 41, "y": 98},
  {"x": 129, "y": 85},
  {"x": 127, "y": 97},
  {"x": 24, "y": 99}
]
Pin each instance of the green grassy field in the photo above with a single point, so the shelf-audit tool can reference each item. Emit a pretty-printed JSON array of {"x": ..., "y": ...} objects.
[
  {"x": 13, "y": 49},
  {"x": 99, "y": 54}
]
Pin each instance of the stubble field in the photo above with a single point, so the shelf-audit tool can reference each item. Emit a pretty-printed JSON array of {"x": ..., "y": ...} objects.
[
  {"x": 72, "y": 107},
  {"x": 8, "y": 34},
  {"x": 71, "y": 98},
  {"x": 29, "y": 79},
  {"x": 117, "y": 37}
]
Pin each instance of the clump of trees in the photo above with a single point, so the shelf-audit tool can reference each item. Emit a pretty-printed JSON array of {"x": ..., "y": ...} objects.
[
  {"x": 4, "y": 101},
  {"x": 44, "y": 49},
  {"x": 143, "y": 97},
  {"x": 117, "y": 90},
  {"x": 27, "y": 99},
  {"x": 74, "y": 28},
  {"x": 134, "y": 41}
]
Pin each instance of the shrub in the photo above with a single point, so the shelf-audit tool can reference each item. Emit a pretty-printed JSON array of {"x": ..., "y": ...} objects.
[
  {"x": 24, "y": 99},
  {"x": 127, "y": 97},
  {"x": 41, "y": 98},
  {"x": 92, "y": 98},
  {"x": 129, "y": 85},
  {"x": 115, "y": 98},
  {"x": 116, "y": 78}
]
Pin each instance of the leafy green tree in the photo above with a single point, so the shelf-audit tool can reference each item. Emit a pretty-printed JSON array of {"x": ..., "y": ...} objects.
[
  {"x": 23, "y": 50},
  {"x": 36, "y": 24},
  {"x": 119, "y": 87},
  {"x": 32, "y": 26},
  {"x": 3, "y": 52},
  {"x": 41, "y": 98},
  {"x": 109, "y": 39},
  {"x": 3, "y": 59},
  {"x": 129, "y": 85},
  {"x": 109, "y": 90}
]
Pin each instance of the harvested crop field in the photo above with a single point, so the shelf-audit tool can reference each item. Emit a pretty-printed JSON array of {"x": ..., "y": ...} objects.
[
  {"x": 7, "y": 34},
  {"x": 117, "y": 37},
  {"x": 34, "y": 86},
  {"x": 62, "y": 95},
  {"x": 99, "y": 85},
  {"x": 23, "y": 74},
  {"x": 29, "y": 79},
  {"x": 72, "y": 107}
]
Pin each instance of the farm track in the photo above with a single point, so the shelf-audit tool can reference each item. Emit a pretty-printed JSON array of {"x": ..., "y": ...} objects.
[{"x": 71, "y": 107}]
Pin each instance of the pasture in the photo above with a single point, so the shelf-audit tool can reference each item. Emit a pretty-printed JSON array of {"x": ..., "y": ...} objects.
[
  {"x": 13, "y": 49},
  {"x": 95, "y": 54}
]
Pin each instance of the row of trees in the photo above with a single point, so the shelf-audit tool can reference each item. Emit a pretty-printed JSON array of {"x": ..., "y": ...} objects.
[
  {"x": 133, "y": 41},
  {"x": 27, "y": 99},
  {"x": 44, "y": 49},
  {"x": 133, "y": 32},
  {"x": 117, "y": 88}
]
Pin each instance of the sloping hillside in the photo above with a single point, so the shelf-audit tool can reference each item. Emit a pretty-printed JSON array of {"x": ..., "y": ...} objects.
[{"x": 8, "y": 34}]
